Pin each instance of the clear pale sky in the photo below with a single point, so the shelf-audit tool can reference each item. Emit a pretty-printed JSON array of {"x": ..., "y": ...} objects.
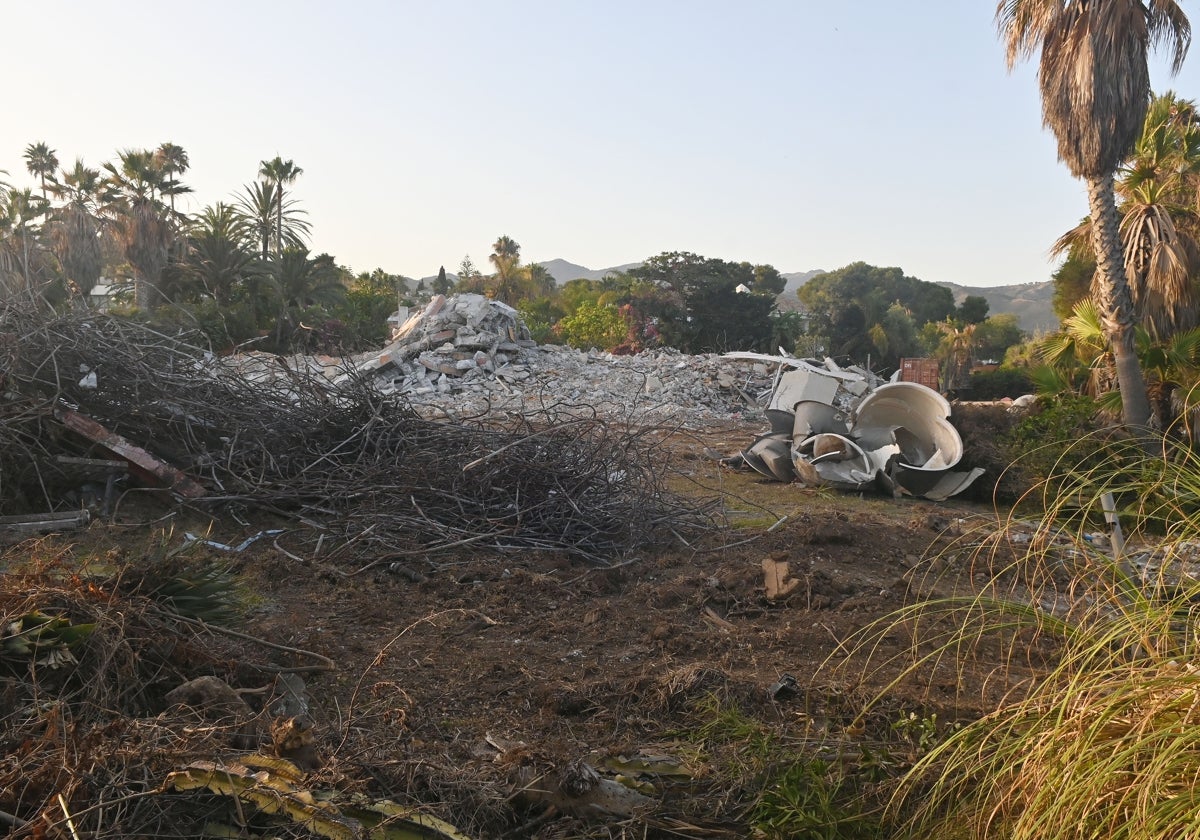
[{"x": 798, "y": 133}]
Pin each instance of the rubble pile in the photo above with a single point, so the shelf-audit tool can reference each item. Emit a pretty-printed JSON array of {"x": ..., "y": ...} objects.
[
  {"x": 452, "y": 341},
  {"x": 659, "y": 385},
  {"x": 469, "y": 356}
]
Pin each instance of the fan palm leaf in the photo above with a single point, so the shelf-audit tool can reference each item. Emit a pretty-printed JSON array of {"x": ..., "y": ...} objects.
[{"x": 1158, "y": 261}]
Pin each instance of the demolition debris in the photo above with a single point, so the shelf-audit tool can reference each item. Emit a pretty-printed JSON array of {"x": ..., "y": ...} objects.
[
  {"x": 467, "y": 355},
  {"x": 461, "y": 431},
  {"x": 843, "y": 428}
]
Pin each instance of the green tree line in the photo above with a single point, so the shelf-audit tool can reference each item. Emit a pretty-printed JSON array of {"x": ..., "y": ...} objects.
[{"x": 242, "y": 271}]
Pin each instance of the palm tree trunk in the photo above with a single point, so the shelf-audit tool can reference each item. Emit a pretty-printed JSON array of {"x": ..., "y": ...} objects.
[
  {"x": 142, "y": 297},
  {"x": 1115, "y": 302}
]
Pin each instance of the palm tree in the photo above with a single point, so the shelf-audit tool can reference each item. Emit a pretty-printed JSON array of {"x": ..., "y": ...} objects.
[
  {"x": 172, "y": 160},
  {"x": 41, "y": 161},
  {"x": 220, "y": 255},
  {"x": 541, "y": 281},
  {"x": 1078, "y": 359},
  {"x": 279, "y": 172},
  {"x": 22, "y": 267},
  {"x": 258, "y": 204},
  {"x": 506, "y": 258},
  {"x": 1095, "y": 88},
  {"x": 1173, "y": 369},
  {"x": 1159, "y": 261},
  {"x": 505, "y": 246},
  {"x": 302, "y": 281},
  {"x": 1157, "y": 192},
  {"x": 139, "y": 220},
  {"x": 1078, "y": 353},
  {"x": 75, "y": 232},
  {"x": 954, "y": 351}
]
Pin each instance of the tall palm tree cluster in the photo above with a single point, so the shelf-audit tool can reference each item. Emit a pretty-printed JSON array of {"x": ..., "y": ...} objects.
[
  {"x": 242, "y": 264},
  {"x": 1094, "y": 79},
  {"x": 1157, "y": 192}
]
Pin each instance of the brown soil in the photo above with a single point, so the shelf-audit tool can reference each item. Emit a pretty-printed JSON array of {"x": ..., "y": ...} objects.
[{"x": 451, "y": 669}]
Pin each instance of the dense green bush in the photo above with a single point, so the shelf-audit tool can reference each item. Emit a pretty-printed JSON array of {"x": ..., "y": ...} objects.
[
  {"x": 598, "y": 325},
  {"x": 1043, "y": 444},
  {"x": 1037, "y": 446},
  {"x": 998, "y": 384}
]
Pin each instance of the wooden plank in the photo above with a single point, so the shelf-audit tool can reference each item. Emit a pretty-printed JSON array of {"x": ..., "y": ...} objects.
[
  {"x": 40, "y": 523},
  {"x": 135, "y": 455}
]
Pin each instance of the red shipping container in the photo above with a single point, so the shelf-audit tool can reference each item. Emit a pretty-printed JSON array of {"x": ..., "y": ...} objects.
[{"x": 923, "y": 371}]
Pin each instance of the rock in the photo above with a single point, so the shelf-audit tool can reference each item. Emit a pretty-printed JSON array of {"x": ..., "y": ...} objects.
[{"x": 211, "y": 698}]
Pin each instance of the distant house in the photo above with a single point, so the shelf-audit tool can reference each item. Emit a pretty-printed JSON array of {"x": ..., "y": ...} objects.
[
  {"x": 742, "y": 289},
  {"x": 104, "y": 294}
]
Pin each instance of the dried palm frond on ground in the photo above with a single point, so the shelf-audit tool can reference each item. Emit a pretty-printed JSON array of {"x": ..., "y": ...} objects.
[{"x": 369, "y": 467}]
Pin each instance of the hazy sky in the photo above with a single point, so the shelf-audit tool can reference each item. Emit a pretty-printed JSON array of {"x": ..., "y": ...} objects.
[{"x": 798, "y": 133}]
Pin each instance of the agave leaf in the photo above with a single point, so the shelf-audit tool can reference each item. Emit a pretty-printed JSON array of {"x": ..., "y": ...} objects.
[{"x": 75, "y": 633}]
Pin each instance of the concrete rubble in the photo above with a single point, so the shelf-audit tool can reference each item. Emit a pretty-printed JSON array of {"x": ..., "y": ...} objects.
[
  {"x": 465, "y": 337},
  {"x": 844, "y": 428},
  {"x": 829, "y": 426},
  {"x": 469, "y": 355}
]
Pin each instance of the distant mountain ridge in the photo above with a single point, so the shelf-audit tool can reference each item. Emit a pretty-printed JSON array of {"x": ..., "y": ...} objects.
[
  {"x": 1030, "y": 302},
  {"x": 564, "y": 272}
]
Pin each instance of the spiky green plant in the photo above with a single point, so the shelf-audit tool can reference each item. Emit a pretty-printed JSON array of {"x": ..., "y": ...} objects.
[
  {"x": 41, "y": 638},
  {"x": 208, "y": 594}
]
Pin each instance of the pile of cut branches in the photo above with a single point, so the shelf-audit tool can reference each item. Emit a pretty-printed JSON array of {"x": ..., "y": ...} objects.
[{"x": 276, "y": 433}]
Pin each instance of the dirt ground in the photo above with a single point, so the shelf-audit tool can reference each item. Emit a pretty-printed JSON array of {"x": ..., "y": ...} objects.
[{"x": 450, "y": 671}]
